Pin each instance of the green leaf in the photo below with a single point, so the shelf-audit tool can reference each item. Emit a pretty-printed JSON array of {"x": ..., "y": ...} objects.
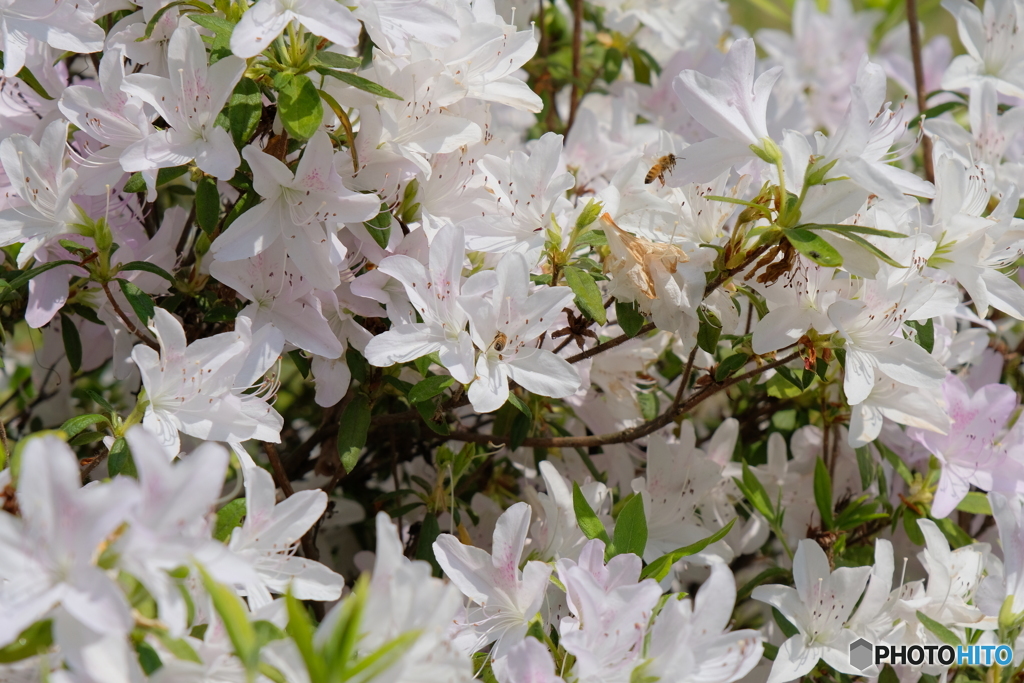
[
  {"x": 235, "y": 618},
  {"x": 823, "y": 493},
  {"x": 589, "y": 214},
  {"x": 355, "y": 424},
  {"x": 975, "y": 503},
  {"x": 245, "y": 106},
  {"x": 753, "y": 490},
  {"x": 938, "y": 630},
  {"x": 149, "y": 660},
  {"x": 520, "y": 429},
  {"x": 660, "y": 568},
  {"x": 21, "y": 280},
  {"x": 784, "y": 624},
  {"x": 631, "y": 528},
  {"x": 925, "y": 337},
  {"x": 896, "y": 462},
  {"x": 429, "y": 531},
  {"x": 178, "y": 647},
  {"x": 119, "y": 461},
  {"x": 519, "y": 405},
  {"x": 136, "y": 183},
  {"x": 866, "y": 466},
  {"x": 781, "y": 573},
  {"x": 728, "y": 367},
  {"x": 888, "y": 675},
  {"x": 875, "y": 251},
  {"x": 301, "y": 629},
  {"x": 336, "y": 60},
  {"x": 380, "y": 226},
  {"x": 155, "y": 19},
  {"x": 648, "y": 403},
  {"x": 956, "y": 536},
  {"x": 229, "y": 517},
  {"x": 709, "y": 331},
  {"x": 299, "y": 106},
  {"x": 588, "y": 296},
  {"x": 220, "y": 26},
  {"x": 430, "y": 387},
  {"x": 846, "y": 229},
  {"x": 34, "y": 640},
  {"x": 426, "y": 410},
  {"x": 629, "y": 317},
  {"x": 933, "y": 112},
  {"x": 146, "y": 267},
  {"x": 207, "y": 204},
  {"x": 79, "y": 424},
  {"x": 139, "y": 301},
  {"x": 587, "y": 519},
  {"x": 360, "y": 83},
  {"x": 72, "y": 342},
  {"x": 31, "y": 81},
  {"x": 814, "y": 247}
]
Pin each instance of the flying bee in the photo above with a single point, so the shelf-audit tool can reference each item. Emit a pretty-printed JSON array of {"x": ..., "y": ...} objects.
[
  {"x": 500, "y": 341},
  {"x": 662, "y": 166}
]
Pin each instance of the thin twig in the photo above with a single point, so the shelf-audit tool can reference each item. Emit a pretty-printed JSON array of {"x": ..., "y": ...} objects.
[
  {"x": 922, "y": 95},
  {"x": 626, "y": 435},
  {"x": 127, "y": 322},
  {"x": 577, "y": 45}
]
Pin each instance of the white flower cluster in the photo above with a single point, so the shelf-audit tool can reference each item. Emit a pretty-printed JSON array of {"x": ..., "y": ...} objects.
[{"x": 682, "y": 346}]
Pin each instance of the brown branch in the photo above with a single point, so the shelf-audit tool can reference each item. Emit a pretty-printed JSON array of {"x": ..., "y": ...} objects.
[
  {"x": 145, "y": 339},
  {"x": 719, "y": 280},
  {"x": 922, "y": 99},
  {"x": 577, "y": 45},
  {"x": 626, "y": 435}
]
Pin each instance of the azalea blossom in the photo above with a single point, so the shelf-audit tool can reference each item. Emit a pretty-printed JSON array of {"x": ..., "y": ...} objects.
[
  {"x": 189, "y": 101},
  {"x": 506, "y": 598}
]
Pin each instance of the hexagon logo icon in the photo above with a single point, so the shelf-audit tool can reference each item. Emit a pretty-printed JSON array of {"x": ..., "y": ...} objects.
[{"x": 861, "y": 654}]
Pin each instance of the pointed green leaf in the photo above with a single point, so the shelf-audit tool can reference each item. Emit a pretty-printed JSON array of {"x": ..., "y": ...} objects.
[
  {"x": 823, "y": 493},
  {"x": 814, "y": 247},
  {"x": 299, "y": 106},
  {"x": 631, "y": 528},
  {"x": 587, "y": 519},
  {"x": 72, "y": 342},
  {"x": 352, "y": 431},
  {"x": 660, "y": 568},
  {"x": 588, "y": 296},
  {"x": 139, "y": 301}
]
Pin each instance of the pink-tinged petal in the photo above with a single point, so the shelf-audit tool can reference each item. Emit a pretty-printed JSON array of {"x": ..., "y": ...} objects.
[
  {"x": 306, "y": 327},
  {"x": 308, "y": 580},
  {"x": 315, "y": 171},
  {"x": 467, "y": 567},
  {"x": 781, "y": 327},
  {"x": 954, "y": 485},
  {"x": 97, "y": 602},
  {"x": 308, "y": 248},
  {"x": 401, "y": 344},
  {"x": 250, "y": 234},
  {"x": 221, "y": 81},
  {"x": 527, "y": 662},
  {"x": 329, "y": 19},
  {"x": 489, "y": 390},
  {"x": 544, "y": 373},
  {"x": 707, "y": 159},
  {"x": 159, "y": 150},
  {"x": 47, "y": 293},
  {"x": 269, "y": 174},
  {"x": 860, "y": 376},
  {"x": 332, "y": 378},
  {"x": 457, "y": 357},
  {"x": 509, "y": 540},
  {"x": 908, "y": 363},
  {"x": 258, "y": 27},
  {"x": 217, "y": 154},
  {"x": 793, "y": 661}
]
